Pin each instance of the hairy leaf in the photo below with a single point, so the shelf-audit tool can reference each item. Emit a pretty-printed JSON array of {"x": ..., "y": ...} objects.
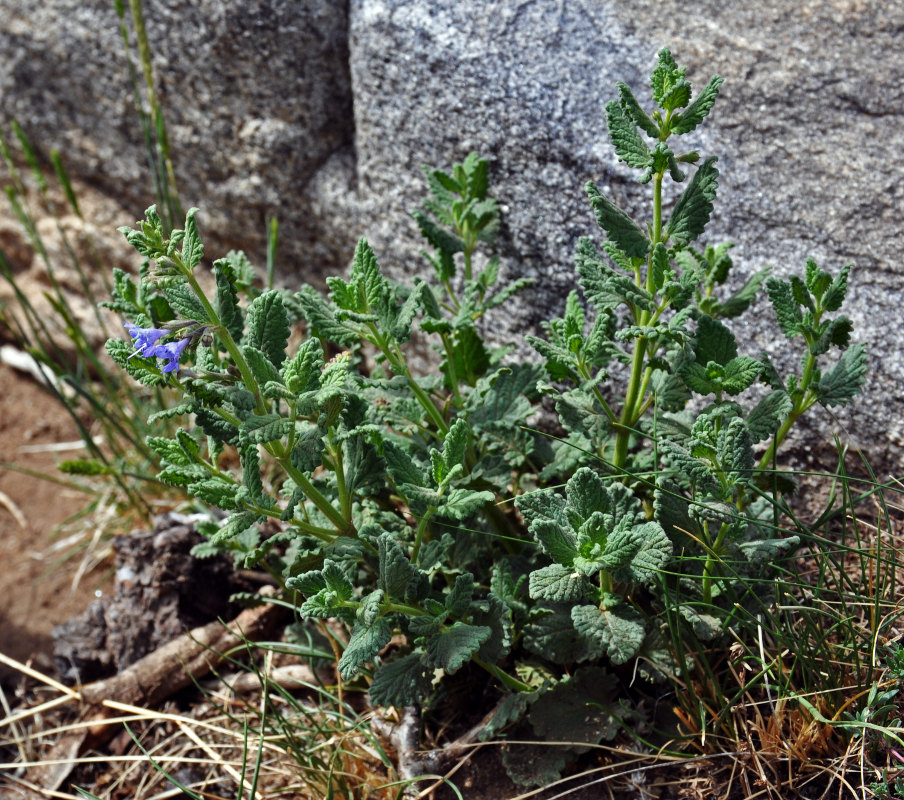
[
  {"x": 629, "y": 145},
  {"x": 768, "y": 415},
  {"x": 559, "y": 584},
  {"x": 365, "y": 642},
  {"x": 695, "y": 113},
  {"x": 787, "y": 311},
  {"x": 693, "y": 209},
  {"x": 454, "y": 646},
  {"x": 619, "y": 227},
  {"x": 843, "y": 382},
  {"x": 402, "y": 682},
  {"x": 616, "y": 630},
  {"x": 268, "y": 327}
]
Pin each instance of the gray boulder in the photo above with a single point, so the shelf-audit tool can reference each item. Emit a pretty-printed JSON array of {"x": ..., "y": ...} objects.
[{"x": 322, "y": 114}]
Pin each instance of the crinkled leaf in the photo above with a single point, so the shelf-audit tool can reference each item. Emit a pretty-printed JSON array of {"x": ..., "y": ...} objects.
[
  {"x": 454, "y": 646},
  {"x": 692, "y": 211},
  {"x": 264, "y": 370},
  {"x": 768, "y": 415},
  {"x": 267, "y": 428},
  {"x": 585, "y": 494},
  {"x": 787, "y": 311},
  {"x": 834, "y": 296},
  {"x": 580, "y": 708},
  {"x": 559, "y": 584},
  {"x": 604, "y": 286},
  {"x": 396, "y": 571},
  {"x": 227, "y": 298},
  {"x": 301, "y": 373},
  {"x": 619, "y": 227},
  {"x": 695, "y": 113},
  {"x": 629, "y": 145},
  {"x": 192, "y": 248},
  {"x": 714, "y": 342},
  {"x": 617, "y": 630},
  {"x": 402, "y": 682},
  {"x": 268, "y": 327},
  {"x": 236, "y": 524},
  {"x": 185, "y": 303},
  {"x": 365, "y": 643},
  {"x": 740, "y": 374},
  {"x": 550, "y": 633},
  {"x": 843, "y": 382},
  {"x": 458, "y": 504}
]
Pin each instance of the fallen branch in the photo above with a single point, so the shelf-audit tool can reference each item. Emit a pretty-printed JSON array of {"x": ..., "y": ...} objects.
[{"x": 148, "y": 682}]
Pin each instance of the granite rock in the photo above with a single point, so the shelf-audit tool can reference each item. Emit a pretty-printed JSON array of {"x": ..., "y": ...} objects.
[{"x": 322, "y": 113}]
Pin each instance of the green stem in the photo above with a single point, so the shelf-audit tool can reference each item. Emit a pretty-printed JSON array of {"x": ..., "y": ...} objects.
[
  {"x": 423, "y": 528},
  {"x": 626, "y": 422},
  {"x": 345, "y": 499},
  {"x": 805, "y": 403},
  {"x": 711, "y": 557},
  {"x": 507, "y": 680}
]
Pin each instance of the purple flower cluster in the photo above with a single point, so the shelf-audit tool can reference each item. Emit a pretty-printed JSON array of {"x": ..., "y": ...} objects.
[{"x": 146, "y": 346}]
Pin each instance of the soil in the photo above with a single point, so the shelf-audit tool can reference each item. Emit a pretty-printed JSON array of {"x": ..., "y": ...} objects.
[{"x": 38, "y": 586}]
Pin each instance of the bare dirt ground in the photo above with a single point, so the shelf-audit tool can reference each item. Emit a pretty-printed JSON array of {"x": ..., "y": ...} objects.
[{"x": 37, "y": 590}]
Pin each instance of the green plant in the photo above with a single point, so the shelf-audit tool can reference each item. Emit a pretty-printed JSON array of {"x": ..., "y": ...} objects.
[{"x": 389, "y": 489}]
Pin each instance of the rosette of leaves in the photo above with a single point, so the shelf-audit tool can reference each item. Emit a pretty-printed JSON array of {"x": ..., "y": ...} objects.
[{"x": 601, "y": 543}]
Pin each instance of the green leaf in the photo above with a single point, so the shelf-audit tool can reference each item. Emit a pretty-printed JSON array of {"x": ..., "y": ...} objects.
[
  {"x": 714, "y": 342},
  {"x": 559, "y": 584},
  {"x": 617, "y": 630},
  {"x": 586, "y": 495},
  {"x": 580, "y": 708},
  {"x": 301, "y": 373},
  {"x": 402, "y": 682},
  {"x": 660, "y": 265},
  {"x": 550, "y": 633},
  {"x": 455, "y": 444},
  {"x": 227, "y": 299},
  {"x": 266, "y": 428},
  {"x": 459, "y": 504},
  {"x": 235, "y": 525},
  {"x": 459, "y": 598},
  {"x": 635, "y": 112},
  {"x": 185, "y": 303},
  {"x": 741, "y": 300},
  {"x": 697, "y": 111},
  {"x": 740, "y": 373},
  {"x": 787, "y": 311},
  {"x": 604, "y": 286},
  {"x": 692, "y": 211},
  {"x": 619, "y": 227},
  {"x": 736, "y": 451},
  {"x": 192, "y": 248},
  {"x": 307, "y": 454},
  {"x": 396, "y": 571},
  {"x": 834, "y": 296},
  {"x": 653, "y": 554},
  {"x": 365, "y": 643},
  {"x": 453, "y": 647},
  {"x": 768, "y": 415},
  {"x": 843, "y": 382},
  {"x": 264, "y": 370},
  {"x": 268, "y": 327},
  {"x": 402, "y": 468},
  {"x": 629, "y": 145}
]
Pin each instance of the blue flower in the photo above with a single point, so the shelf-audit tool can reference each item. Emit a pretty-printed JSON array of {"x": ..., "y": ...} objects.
[
  {"x": 170, "y": 351},
  {"x": 145, "y": 339}
]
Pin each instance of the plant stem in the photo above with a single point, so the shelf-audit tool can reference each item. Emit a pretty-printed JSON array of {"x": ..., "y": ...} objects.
[
  {"x": 711, "y": 557},
  {"x": 506, "y": 679}
]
